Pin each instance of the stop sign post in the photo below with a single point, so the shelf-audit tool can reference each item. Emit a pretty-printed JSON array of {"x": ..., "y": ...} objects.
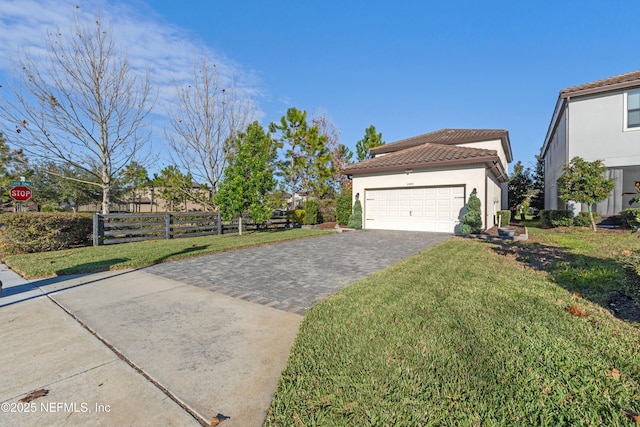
[{"x": 20, "y": 193}]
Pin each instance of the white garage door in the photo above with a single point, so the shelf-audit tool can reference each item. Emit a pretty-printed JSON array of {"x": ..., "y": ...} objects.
[{"x": 414, "y": 209}]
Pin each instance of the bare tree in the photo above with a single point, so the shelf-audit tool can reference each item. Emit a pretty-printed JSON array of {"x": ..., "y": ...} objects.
[
  {"x": 80, "y": 105},
  {"x": 210, "y": 114}
]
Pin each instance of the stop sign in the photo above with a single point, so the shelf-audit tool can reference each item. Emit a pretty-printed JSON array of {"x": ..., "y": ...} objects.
[{"x": 20, "y": 193}]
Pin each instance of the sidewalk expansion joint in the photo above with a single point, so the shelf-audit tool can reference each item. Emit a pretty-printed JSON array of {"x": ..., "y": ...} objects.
[{"x": 135, "y": 367}]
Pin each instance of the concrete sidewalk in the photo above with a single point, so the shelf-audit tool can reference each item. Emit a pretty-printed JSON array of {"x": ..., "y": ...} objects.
[{"x": 210, "y": 352}]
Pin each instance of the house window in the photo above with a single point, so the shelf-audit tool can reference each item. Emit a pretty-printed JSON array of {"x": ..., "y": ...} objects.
[{"x": 633, "y": 109}]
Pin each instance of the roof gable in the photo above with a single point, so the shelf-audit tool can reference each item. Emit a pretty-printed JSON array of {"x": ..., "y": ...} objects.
[
  {"x": 449, "y": 137},
  {"x": 427, "y": 155}
]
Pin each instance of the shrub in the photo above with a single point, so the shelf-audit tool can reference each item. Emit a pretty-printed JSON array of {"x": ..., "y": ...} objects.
[
  {"x": 343, "y": 205},
  {"x": 327, "y": 210},
  {"x": 472, "y": 220},
  {"x": 629, "y": 217},
  {"x": 296, "y": 217},
  {"x": 41, "y": 232},
  {"x": 505, "y": 217},
  {"x": 583, "y": 220},
  {"x": 311, "y": 211},
  {"x": 51, "y": 208},
  {"x": 355, "y": 220},
  {"x": 557, "y": 218}
]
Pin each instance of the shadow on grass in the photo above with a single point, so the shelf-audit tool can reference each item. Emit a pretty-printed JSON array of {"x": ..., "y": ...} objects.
[
  {"x": 91, "y": 267},
  {"x": 608, "y": 282},
  {"x": 177, "y": 255}
]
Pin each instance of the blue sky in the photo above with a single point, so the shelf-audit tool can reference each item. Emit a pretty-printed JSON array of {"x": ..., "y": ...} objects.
[{"x": 407, "y": 67}]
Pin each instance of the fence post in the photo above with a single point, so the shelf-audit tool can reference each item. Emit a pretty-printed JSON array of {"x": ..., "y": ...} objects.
[
  {"x": 219, "y": 219},
  {"x": 167, "y": 225},
  {"x": 96, "y": 230}
]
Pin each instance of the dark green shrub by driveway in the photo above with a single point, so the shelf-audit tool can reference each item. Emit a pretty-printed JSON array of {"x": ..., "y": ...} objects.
[
  {"x": 557, "y": 218},
  {"x": 44, "y": 231}
]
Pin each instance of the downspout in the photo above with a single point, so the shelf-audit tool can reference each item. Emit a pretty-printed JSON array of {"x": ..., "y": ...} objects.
[{"x": 566, "y": 140}]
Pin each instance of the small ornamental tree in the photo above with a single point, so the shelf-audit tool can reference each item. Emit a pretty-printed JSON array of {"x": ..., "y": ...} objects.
[
  {"x": 584, "y": 182},
  {"x": 248, "y": 177},
  {"x": 355, "y": 220},
  {"x": 472, "y": 220}
]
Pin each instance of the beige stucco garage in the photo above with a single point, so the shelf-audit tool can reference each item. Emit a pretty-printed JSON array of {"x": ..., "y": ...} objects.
[{"x": 423, "y": 183}]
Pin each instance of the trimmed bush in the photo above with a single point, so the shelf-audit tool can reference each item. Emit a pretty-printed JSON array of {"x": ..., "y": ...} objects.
[
  {"x": 311, "y": 212},
  {"x": 505, "y": 217},
  {"x": 343, "y": 205},
  {"x": 355, "y": 220},
  {"x": 44, "y": 231},
  {"x": 583, "y": 220},
  {"x": 557, "y": 218},
  {"x": 472, "y": 220},
  {"x": 296, "y": 217},
  {"x": 629, "y": 216}
]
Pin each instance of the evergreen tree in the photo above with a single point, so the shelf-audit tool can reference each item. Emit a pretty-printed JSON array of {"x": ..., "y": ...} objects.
[
  {"x": 520, "y": 185},
  {"x": 371, "y": 140},
  {"x": 355, "y": 220},
  {"x": 537, "y": 200},
  {"x": 248, "y": 178},
  {"x": 472, "y": 220},
  {"x": 307, "y": 165},
  {"x": 175, "y": 187}
]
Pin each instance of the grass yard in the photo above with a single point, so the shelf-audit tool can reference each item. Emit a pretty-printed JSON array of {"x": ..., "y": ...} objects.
[
  {"x": 139, "y": 254},
  {"x": 467, "y": 334}
]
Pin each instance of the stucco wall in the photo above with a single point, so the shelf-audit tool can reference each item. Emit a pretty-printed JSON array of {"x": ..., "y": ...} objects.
[
  {"x": 554, "y": 161},
  {"x": 490, "y": 145},
  {"x": 471, "y": 177},
  {"x": 493, "y": 200},
  {"x": 596, "y": 131}
]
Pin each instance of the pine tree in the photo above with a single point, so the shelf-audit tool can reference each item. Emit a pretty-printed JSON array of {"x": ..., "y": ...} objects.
[{"x": 371, "y": 140}]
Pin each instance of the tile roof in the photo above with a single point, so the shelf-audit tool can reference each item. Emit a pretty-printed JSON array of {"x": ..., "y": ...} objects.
[
  {"x": 444, "y": 136},
  {"x": 427, "y": 155},
  {"x": 611, "y": 83}
]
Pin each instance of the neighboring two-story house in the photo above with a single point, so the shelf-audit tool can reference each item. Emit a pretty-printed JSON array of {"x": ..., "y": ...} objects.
[
  {"x": 423, "y": 183},
  {"x": 596, "y": 121}
]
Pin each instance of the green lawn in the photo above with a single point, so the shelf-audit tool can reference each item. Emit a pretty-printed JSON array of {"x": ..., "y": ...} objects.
[
  {"x": 463, "y": 335},
  {"x": 139, "y": 254}
]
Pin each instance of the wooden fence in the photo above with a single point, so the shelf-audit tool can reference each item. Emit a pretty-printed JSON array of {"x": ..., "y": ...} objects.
[{"x": 124, "y": 228}]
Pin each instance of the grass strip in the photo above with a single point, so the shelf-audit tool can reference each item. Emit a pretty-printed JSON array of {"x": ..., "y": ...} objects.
[
  {"x": 458, "y": 335},
  {"x": 139, "y": 254}
]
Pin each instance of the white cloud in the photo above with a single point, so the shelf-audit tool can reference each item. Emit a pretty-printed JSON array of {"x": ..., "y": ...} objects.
[{"x": 152, "y": 44}]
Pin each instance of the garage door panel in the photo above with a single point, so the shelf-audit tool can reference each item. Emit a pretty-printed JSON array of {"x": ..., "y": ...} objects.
[{"x": 419, "y": 209}]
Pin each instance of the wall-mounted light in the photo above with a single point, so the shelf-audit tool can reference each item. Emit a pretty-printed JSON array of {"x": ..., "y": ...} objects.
[
  {"x": 408, "y": 171},
  {"x": 357, "y": 196}
]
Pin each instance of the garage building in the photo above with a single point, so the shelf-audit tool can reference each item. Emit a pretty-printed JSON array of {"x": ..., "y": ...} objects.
[{"x": 423, "y": 183}]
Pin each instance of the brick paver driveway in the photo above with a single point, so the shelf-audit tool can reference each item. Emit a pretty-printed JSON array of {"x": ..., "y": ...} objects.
[{"x": 294, "y": 275}]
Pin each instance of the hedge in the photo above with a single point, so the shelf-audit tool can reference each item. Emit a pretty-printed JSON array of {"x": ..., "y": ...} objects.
[
  {"x": 44, "y": 231},
  {"x": 557, "y": 218},
  {"x": 343, "y": 206},
  {"x": 311, "y": 208},
  {"x": 505, "y": 218}
]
